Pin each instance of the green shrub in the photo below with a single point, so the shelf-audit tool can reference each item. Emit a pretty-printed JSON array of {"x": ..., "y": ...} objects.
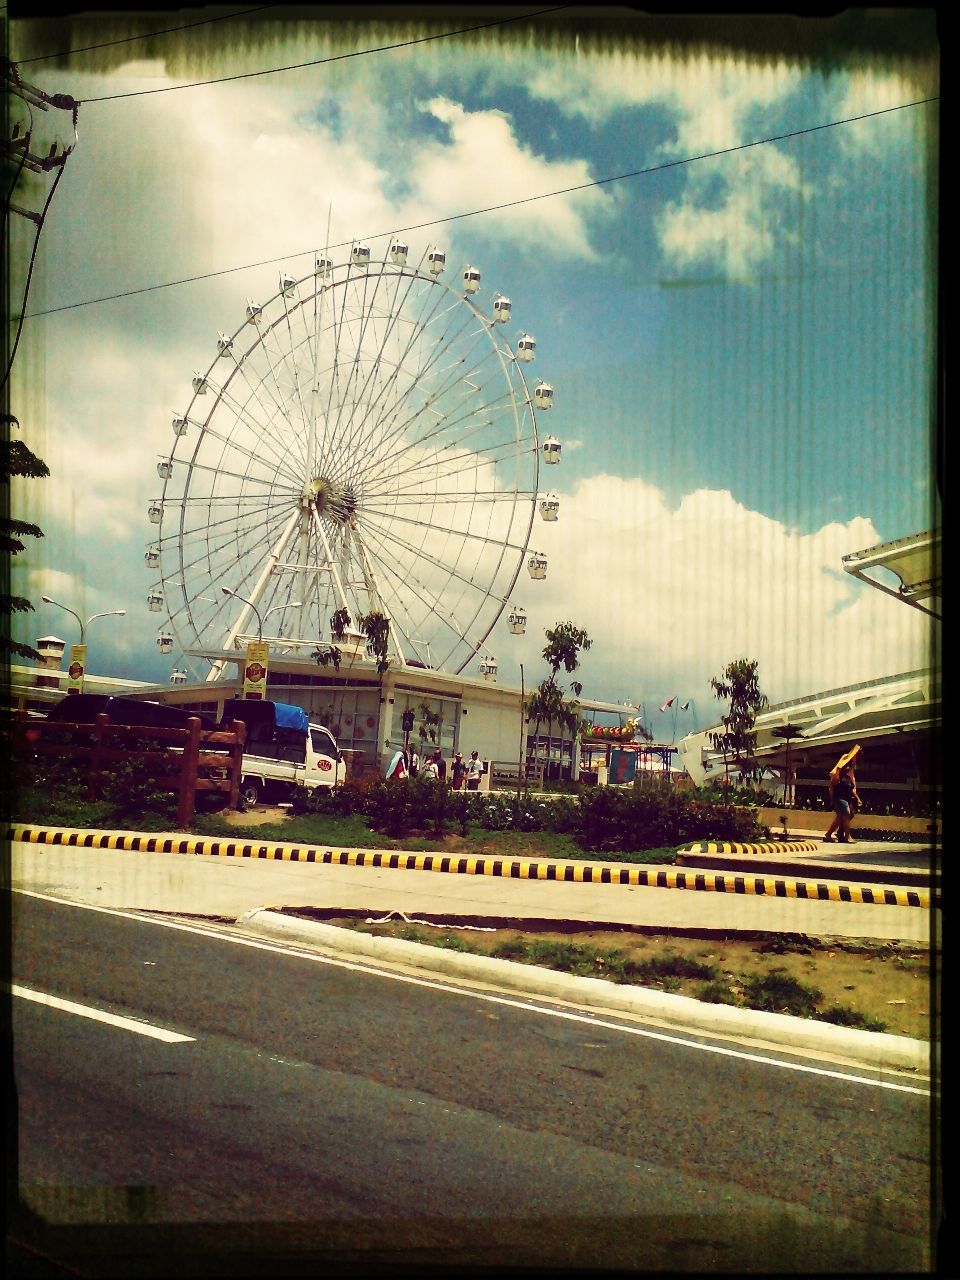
[
  {"x": 716, "y": 992},
  {"x": 617, "y": 820},
  {"x": 778, "y": 992},
  {"x": 842, "y": 1016}
]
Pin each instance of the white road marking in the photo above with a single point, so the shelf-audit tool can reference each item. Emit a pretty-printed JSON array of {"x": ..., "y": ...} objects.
[
  {"x": 98, "y": 1015},
  {"x": 450, "y": 988}
]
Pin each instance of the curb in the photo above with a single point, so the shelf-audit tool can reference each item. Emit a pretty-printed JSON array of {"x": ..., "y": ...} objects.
[
  {"x": 566, "y": 872},
  {"x": 761, "y": 846},
  {"x": 892, "y": 876},
  {"x": 868, "y": 1048}
]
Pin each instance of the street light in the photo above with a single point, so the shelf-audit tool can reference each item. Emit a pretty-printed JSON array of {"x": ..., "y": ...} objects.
[
  {"x": 227, "y": 592},
  {"x": 275, "y": 608},
  {"x": 109, "y": 613}
]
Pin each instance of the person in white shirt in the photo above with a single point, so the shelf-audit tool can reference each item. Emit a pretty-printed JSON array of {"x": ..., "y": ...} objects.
[{"x": 474, "y": 771}]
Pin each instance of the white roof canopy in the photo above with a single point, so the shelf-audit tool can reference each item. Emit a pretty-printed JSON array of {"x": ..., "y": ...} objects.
[{"x": 914, "y": 562}]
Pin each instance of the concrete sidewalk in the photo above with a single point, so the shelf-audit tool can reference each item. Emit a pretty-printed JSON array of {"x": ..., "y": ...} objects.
[
  {"x": 230, "y": 877},
  {"x": 248, "y": 891}
]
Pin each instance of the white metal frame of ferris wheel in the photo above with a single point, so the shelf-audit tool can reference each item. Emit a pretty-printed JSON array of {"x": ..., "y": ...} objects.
[{"x": 349, "y": 566}]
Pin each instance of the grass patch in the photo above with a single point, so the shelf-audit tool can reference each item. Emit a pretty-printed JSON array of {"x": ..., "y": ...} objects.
[
  {"x": 778, "y": 992},
  {"x": 842, "y": 1016},
  {"x": 716, "y": 992}
]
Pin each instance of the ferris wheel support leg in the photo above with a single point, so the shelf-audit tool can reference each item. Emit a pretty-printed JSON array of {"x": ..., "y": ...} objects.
[
  {"x": 338, "y": 582},
  {"x": 216, "y": 669},
  {"x": 376, "y": 600}
]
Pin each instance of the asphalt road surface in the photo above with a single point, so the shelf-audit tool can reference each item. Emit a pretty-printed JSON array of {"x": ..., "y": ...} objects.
[{"x": 189, "y": 1101}]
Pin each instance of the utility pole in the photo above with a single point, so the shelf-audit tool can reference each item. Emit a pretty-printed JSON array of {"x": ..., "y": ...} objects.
[{"x": 23, "y": 150}]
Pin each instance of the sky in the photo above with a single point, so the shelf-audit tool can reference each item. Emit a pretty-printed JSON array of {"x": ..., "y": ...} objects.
[{"x": 727, "y": 257}]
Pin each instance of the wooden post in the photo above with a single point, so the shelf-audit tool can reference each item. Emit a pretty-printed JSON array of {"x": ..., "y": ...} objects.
[
  {"x": 186, "y": 800},
  {"x": 239, "y": 729},
  {"x": 93, "y": 767}
]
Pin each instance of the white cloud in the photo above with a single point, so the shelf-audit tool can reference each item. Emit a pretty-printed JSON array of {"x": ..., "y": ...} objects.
[
  {"x": 485, "y": 159},
  {"x": 673, "y": 594}
]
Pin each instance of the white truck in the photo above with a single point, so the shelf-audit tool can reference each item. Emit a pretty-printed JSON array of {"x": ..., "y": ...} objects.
[{"x": 284, "y": 753}]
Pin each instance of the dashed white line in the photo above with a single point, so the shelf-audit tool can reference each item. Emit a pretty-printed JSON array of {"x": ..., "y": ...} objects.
[{"x": 98, "y": 1015}]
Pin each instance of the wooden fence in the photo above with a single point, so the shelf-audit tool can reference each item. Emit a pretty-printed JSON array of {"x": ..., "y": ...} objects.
[{"x": 185, "y": 762}]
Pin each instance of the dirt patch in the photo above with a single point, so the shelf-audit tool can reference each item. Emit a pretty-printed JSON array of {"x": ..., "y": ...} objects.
[
  {"x": 254, "y": 817},
  {"x": 887, "y": 982}
]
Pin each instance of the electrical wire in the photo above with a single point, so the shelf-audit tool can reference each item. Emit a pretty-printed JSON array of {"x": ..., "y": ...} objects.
[
  {"x": 474, "y": 213},
  {"x": 149, "y": 35},
  {"x": 340, "y": 57}
]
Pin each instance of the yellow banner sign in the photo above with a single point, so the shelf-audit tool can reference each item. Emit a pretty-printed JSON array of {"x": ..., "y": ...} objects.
[
  {"x": 78, "y": 661},
  {"x": 255, "y": 671}
]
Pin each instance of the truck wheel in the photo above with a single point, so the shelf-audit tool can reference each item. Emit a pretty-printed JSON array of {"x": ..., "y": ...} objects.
[{"x": 249, "y": 793}]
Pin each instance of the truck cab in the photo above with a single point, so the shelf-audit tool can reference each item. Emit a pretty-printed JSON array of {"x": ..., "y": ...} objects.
[{"x": 283, "y": 753}]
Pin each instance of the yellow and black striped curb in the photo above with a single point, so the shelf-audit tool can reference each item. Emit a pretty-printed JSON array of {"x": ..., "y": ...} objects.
[
  {"x": 761, "y": 846},
  {"x": 564, "y": 872}
]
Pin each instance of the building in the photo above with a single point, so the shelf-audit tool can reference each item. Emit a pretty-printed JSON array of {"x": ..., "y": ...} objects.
[{"x": 896, "y": 720}]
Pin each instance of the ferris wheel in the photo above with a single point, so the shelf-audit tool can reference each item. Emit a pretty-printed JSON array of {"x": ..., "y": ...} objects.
[{"x": 365, "y": 442}]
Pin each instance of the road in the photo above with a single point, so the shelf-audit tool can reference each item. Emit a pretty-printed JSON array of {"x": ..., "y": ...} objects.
[{"x": 316, "y": 1110}]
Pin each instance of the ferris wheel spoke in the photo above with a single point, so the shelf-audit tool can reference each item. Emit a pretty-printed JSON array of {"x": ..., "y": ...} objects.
[
  {"x": 396, "y": 363},
  {"x": 470, "y": 535},
  {"x": 434, "y": 604},
  {"x": 422, "y": 476},
  {"x": 210, "y": 543},
  {"x": 385, "y": 435},
  {"x": 427, "y": 364},
  {"x": 437, "y": 608},
  {"x": 261, "y": 431},
  {"x": 256, "y": 387}
]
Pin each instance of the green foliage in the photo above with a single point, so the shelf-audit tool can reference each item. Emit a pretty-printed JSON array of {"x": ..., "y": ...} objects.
[
  {"x": 339, "y": 623},
  {"x": 548, "y": 704},
  {"x": 738, "y": 686},
  {"x": 327, "y": 656},
  {"x": 717, "y": 992},
  {"x": 431, "y": 724},
  {"x": 565, "y": 642},
  {"x": 621, "y": 820},
  {"x": 842, "y": 1016},
  {"x": 376, "y": 627},
  {"x": 16, "y": 459},
  {"x": 779, "y": 992}
]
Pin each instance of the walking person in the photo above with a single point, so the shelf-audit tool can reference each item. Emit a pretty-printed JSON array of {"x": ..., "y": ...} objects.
[
  {"x": 474, "y": 771},
  {"x": 846, "y": 801},
  {"x": 414, "y": 763},
  {"x": 458, "y": 771}
]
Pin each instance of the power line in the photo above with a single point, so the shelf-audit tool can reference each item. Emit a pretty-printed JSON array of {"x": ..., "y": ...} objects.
[
  {"x": 340, "y": 57},
  {"x": 149, "y": 35},
  {"x": 474, "y": 213}
]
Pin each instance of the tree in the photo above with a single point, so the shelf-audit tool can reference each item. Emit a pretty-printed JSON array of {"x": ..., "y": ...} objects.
[
  {"x": 565, "y": 643},
  {"x": 15, "y": 460},
  {"x": 739, "y": 687}
]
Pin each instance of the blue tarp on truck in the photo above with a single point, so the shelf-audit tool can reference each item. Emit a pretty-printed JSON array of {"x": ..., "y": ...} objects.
[{"x": 263, "y": 719}]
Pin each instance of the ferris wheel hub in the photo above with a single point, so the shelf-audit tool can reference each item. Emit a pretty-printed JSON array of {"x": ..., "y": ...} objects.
[{"x": 338, "y": 502}]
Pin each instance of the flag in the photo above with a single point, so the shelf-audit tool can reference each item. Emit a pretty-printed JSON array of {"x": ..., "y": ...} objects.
[
  {"x": 684, "y": 706},
  {"x": 669, "y": 703}
]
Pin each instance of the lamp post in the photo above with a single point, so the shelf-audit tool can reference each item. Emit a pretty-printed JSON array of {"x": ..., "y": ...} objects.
[
  {"x": 788, "y": 732},
  {"x": 276, "y": 608},
  {"x": 109, "y": 613},
  {"x": 227, "y": 592},
  {"x": 522, "y": 755}
]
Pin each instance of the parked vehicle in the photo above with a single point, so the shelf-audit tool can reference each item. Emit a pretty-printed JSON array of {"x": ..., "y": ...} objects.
[
  {"x": 284, "y": 752},
  {"x": 83, "y": 708}
]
